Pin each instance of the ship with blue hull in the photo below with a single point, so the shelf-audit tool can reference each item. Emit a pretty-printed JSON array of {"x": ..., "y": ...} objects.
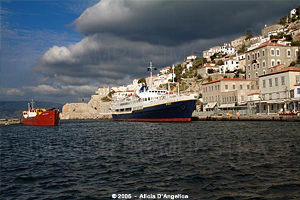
[{"x": 154, "y": 105}]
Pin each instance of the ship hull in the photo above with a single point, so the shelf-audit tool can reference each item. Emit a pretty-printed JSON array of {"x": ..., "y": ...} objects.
[
  {"x": 180, "y": 111},
  {"x": 47, "y": 118}
]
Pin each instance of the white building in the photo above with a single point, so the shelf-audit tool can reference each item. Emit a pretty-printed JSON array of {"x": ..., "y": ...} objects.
[
  {"x": 277, "y": 91},
  {"x": 227, "y": 49},
  {"x": 230, "y": 64}
]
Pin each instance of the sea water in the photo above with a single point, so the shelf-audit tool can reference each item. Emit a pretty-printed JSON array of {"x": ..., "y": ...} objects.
[{"x": 129, "y": 160}]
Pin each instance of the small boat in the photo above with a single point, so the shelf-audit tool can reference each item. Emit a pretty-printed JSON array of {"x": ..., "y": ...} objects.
[
  {"x": 40, "y": 116},
  {"x": 155, "y": 105}
]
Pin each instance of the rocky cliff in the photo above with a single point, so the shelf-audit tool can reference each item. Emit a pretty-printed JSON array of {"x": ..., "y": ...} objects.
[{"x": 94, "y": 109}]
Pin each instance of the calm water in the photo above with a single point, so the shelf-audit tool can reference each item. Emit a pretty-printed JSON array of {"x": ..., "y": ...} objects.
[{"x": 204, "y": 160}]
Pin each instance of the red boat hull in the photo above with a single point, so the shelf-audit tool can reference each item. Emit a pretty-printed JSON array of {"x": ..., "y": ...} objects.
[{"x": 47, "y": 118}]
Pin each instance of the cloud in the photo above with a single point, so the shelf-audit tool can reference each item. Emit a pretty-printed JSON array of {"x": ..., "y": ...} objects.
[
  {"x": 11, "y": 92},
  {"x": 176, "y": 22},
  {"x": 110, "y": 60},
  {"x": 119, "y": 38}
]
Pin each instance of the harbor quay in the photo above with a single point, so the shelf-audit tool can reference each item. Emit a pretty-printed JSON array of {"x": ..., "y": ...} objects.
[{"x": 206, "y": 116}]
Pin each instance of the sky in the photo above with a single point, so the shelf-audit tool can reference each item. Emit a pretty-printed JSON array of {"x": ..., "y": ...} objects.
[{"x": 62, "y": 51}]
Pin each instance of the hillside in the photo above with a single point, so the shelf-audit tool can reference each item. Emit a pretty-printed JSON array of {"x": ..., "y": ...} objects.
[{"x": 13, "y": 109}]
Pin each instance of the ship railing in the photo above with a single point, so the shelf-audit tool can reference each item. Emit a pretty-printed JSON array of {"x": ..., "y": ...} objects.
[{"x": 139, "y": 103}]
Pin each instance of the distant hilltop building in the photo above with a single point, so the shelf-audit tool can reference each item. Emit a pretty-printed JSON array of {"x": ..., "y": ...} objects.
[
  {"x": 268, "y": 29},
  {"x": 238, "y": 42}
]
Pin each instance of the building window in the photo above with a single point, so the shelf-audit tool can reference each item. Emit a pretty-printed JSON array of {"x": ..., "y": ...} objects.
[
  {"x": 241, "y": 87},
  {"x": 298, "y": 90},
  {"x": 249, "y": 76},
  {"x": 249, "y": 68},
  {"x": 272, "y": 52},
  {"x": 288, "y": 52},
  {"x": 298, "y": 79},
  {"x": 256, "y": 74},
  {"x": 282, "y": 80},
  {"x": 264, "y": 72},
  {"x": 248, "y": 57},
  {"x": 263, "y": 53},
  {"x": 257, "y": 65},
  {"x": 233, "y": 87},
  {"x": 264, "y": 63},
  {"x": 257, "y": 54},
  {"x": 270, "y": 82},
  {"x": 276, "y": 81},
  {"x": 226, "y": 87},
  {"x": 264, "y": 83},
  {"x": 278, "y": 62},
  {"x": 248, "y": 87},
  {"x": 254, "y": 66},
  {"x": 277, "y": 52},
  {"x": 272, "y": 63}
]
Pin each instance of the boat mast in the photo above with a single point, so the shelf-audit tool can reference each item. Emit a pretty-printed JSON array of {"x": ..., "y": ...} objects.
[{"x": 151, "y": 68}]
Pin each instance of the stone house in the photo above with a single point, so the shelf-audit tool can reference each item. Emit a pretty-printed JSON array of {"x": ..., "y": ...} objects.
[{"x": 259, "y": 61}]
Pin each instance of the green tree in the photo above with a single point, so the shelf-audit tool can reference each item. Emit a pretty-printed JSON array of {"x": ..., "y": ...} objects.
[
  {"x": 283, "y": 20},
  {"x": 198, "y": 62},
  {"x": 242, "y": 49},
  {"x": 178, "y": 73},
  {"x": 249, "y": 34},
  {"x": 220, "y": 62},
  {"x": 143, "y": 80}
]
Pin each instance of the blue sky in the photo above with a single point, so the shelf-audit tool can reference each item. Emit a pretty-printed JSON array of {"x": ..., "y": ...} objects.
[{"x": 61, "y": 51}]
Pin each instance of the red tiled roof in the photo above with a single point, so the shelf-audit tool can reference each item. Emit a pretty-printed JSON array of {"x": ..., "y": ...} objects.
[
  {"x": 268, "y": 43},
  {"x": 254, "y": 93},
  {"x": 287, "y": 69},
  {"x": 225, "y": 79},
  {"x": 275, "y": 66}
]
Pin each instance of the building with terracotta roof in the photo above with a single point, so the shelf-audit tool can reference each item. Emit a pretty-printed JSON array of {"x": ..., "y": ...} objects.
[
  {"x": 260, "y": 60},
  {"x": 226, "y": 92},
  {"x": 277, "y": 91}
]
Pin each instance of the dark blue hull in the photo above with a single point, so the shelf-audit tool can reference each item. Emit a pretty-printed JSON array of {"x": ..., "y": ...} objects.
[{"x": 180, "y": 111}]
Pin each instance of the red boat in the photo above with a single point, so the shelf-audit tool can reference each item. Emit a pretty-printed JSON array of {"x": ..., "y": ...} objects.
[{"x": 40, "y": 116}]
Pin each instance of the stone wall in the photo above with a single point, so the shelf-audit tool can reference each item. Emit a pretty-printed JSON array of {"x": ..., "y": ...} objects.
[{"x": 85, "y": 111}]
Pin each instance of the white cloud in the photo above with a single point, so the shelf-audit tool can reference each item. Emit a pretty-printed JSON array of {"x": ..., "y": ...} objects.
[{"x": 11, "y": 92}]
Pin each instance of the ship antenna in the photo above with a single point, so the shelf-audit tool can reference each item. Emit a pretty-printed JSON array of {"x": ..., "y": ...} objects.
[{"x": 151, "y": 68}]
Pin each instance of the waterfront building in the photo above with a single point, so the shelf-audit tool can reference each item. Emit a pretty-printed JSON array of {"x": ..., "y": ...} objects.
[
  {"x": 279, "y": 91},
  {"x": 261, "y": 60},
  {"x": 226, "y": 93}
]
